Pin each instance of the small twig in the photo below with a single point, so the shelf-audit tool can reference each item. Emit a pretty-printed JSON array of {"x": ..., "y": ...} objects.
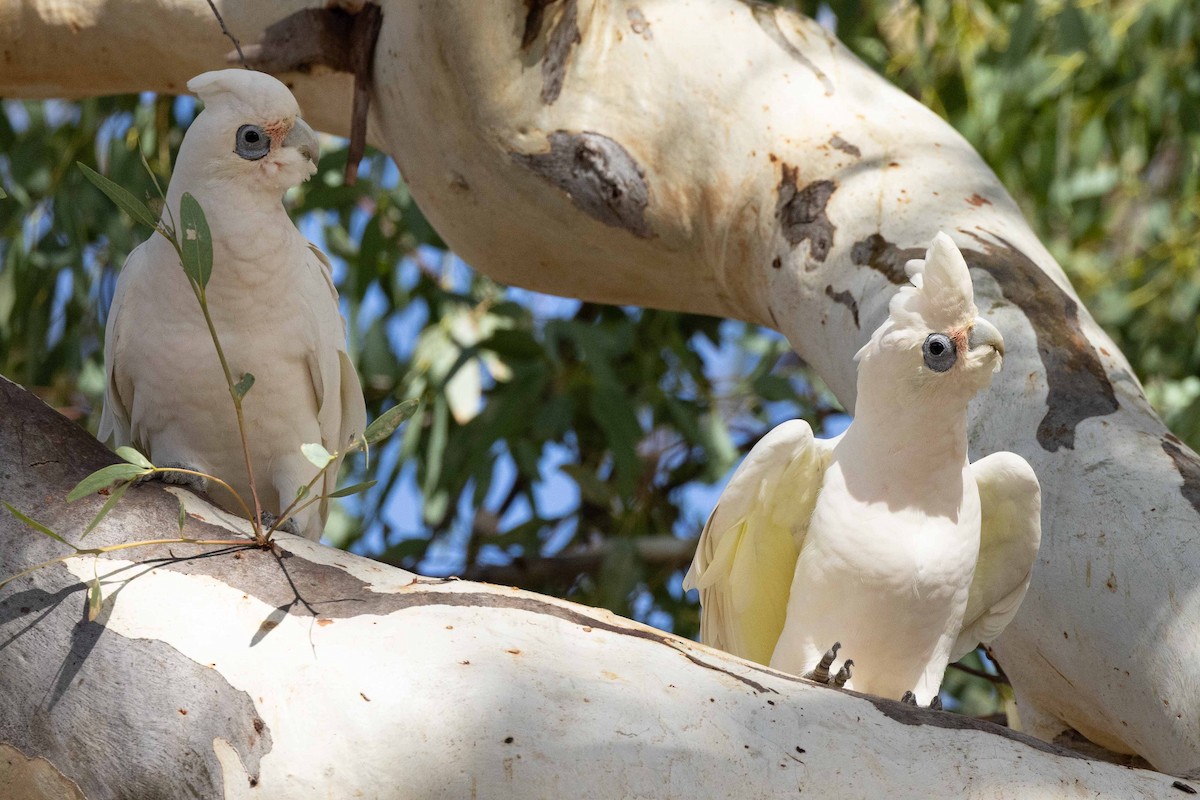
[
  {"x": 236, "y": 44},
  {"x": 978, "y": 673}
]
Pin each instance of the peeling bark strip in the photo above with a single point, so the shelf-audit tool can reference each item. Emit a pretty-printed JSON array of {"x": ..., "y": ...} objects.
[
  {"x": 599, "y": 176},
  {"x": 801, "y": 213},
  {"x": 559, "y": 43},
  {"x": 1188, "y": 466},
  {"x": 845, "y": 298},
  {"x": 766, "y": 16},
  {"x": 1078, "y": 386}
]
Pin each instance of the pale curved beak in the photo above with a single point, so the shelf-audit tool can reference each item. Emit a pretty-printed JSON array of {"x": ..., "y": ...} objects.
[
  {"x": 304, "y": 139},
  {"x": 984, "y": 333}
]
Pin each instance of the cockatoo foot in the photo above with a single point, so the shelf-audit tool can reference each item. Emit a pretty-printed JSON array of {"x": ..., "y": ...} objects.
[
  {"x": 196, "y": 483},
  {"x": 267, "y": 520},
  {"x": 820, "y": 673},
  {"x": 911, "y": 699}
]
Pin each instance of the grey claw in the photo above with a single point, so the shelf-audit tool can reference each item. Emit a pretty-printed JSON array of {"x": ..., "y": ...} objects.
[
  {"x": 843, "y": 674},
  {"x": 936, "y": 703},
  {"x": 820, "y": 673},
  {"x": 267, "y": 519},
  {"x": 909, "y": 699},
  {"x": 194, "y": 482}
]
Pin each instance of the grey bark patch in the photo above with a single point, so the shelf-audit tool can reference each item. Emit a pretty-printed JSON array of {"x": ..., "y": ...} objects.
[
  {"x": 561, "y": 41},
  {"x": 767, "y": 17},
  {"x": 912, "y": 715},
  {"x": 884, "y": 257},
  {"x": 838, "y": 143},
  {"x": 639, "y": 24},
  {"x": 79, "y": 716},
  {"x": 598, "y": 174},
  {"x": 1079, "y": 388},
  {"x": 845, "y": 298},
  {"x": 801, "y": 213},
  {"x": 1188, "y": 466}
]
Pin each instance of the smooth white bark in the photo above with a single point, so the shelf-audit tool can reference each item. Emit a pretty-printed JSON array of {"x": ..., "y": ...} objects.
[{"x": 721, "y": 157}]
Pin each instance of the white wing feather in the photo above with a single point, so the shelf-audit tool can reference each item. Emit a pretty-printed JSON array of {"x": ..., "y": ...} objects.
[
  {"x": 1010, "y": 500},
  {"x": 747, "y": 553}
]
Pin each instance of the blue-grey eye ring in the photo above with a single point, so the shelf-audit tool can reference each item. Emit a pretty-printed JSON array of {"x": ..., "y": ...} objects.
[
  {"x": 939, "y": 351},
  {"x": 251, "y": 143}
]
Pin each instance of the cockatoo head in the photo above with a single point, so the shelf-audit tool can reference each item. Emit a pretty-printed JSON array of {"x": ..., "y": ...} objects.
[
  {"x": 249, "y": 133},
  {"x": 933, "y": 343}
]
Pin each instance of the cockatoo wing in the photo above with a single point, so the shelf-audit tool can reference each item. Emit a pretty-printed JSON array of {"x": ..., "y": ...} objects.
[
  {"x": 746, "y": 556},
  {"x": 114, "y": 419},
  {"x": 341, "y": 413},
  {"x": 1010, "y": 500}
]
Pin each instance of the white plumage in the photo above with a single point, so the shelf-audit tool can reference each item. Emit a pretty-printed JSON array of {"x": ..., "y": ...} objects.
[
  {"x": 273, "y": 303},
  {"x": 885, "y": 539}
]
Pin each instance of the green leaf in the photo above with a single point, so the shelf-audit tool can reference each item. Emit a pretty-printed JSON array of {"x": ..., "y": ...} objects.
[
  {"x": 39, "y": 527},
  {"x": 302, "y": 493},
  {"x": 134, "y": 457},
  {"x": 2, "y": 194},
  {"x": 94, "y": 599},
  {"x": 196, "y": 241},
  {"x": 122, "y": 197},
  {"x": 355, "y": 489},
  {"x": 387, "y": 422},
  {"x": 243, "y": 386},
  {"x": 317, "y": 454},
  {"x": 116, "y": 495},
  {"x": 183, "y": 516},
  {"x": 104, "y": 478}
]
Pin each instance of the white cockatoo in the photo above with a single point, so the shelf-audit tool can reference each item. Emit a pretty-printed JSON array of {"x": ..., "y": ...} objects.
[
  {"x": 885, "y": 539},
  {"x": 273, "y": 304}
]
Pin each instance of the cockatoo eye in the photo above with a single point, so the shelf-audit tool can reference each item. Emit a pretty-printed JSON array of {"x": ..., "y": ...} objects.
[
  {"x": 939, "y": 352},
  {"x": 251, "y": 143}
]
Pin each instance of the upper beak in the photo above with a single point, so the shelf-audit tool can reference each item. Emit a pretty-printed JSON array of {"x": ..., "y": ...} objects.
[
  {"x": 985, "y": 333},
  {"x": 304, "y": 139}
]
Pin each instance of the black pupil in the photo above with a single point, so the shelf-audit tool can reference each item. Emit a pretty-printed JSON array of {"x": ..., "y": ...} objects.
[
  {"x": 252, "y": 137},
  {"x": 936, "y": 347}
]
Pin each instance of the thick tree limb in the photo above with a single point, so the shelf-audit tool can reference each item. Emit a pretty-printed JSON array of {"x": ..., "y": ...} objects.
[
  {"x": 724, "y": 157},
  {"x": 310, "y": 672}
]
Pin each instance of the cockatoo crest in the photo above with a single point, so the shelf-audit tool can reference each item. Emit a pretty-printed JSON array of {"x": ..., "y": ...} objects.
[
  {"x": 933, "y": 329},
  {"x": 249, "y": 133}
]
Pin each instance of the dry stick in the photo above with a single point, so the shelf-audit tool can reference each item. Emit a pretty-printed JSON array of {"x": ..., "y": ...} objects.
[{"x": 236, "y": 45}]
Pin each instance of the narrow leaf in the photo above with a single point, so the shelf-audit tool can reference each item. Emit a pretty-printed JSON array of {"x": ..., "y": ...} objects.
[
  {"x": 196, "y": 243},
  {"x": 387, "y": 422},
  {"x": 183, "y": 515},
  {"x": 355, "y": 489},
  {"x": 243, "y": 386},
  {"x": 2, "y": 193},
  {"x": 116, "y": 495},
  {"x": 94, "y": 600},
  {"x": 317, "y": 454},
  {"x": 134, "y": 457},
  {"x": 39, "y": 527},
  {"x": 104, "y": 478},
  {"x": 120, "y": 196}
]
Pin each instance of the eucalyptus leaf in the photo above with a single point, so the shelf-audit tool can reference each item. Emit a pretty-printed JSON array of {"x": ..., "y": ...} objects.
[
  {"x": 104, "y": 478},
  {"x": 112, "y": 500},
  {"x": 196, "y": 242},
  {"x": 39, "y": 527},
  {"x": 387, "y": 422},
  {"x": 134, "y": 457},
  {"x": 183, "y": 516},
  {"x": 243, "y": 386},
  {"x": 355, "y": 489},
  {"x": 121, "y": 196},
  {"x": 317, "y": 454},
  {"x": 95, "y": 599}
]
